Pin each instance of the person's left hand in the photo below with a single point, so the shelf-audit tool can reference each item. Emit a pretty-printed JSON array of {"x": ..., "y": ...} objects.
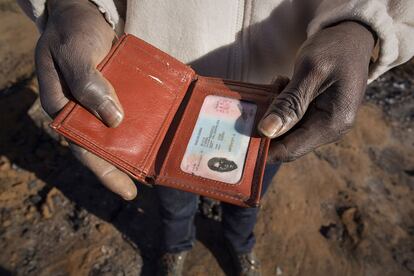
[{"x": 320, "y": 103}]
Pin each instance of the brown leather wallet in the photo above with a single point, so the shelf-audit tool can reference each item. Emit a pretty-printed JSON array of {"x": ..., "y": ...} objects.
[{"x": 162, "y": 98}]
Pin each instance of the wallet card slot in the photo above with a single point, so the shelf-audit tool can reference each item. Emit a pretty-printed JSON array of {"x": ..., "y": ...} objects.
[
  {"x": 169, "y": 171},
  {"x": 218, "y": 144}
]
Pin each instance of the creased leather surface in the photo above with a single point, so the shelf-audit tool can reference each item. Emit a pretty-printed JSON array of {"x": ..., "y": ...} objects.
[{"x": 151, "y": 86}]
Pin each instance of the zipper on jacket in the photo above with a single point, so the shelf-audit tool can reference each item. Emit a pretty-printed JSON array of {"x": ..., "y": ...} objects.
[
  {"x": 235, "y": 58},
  {"x": 238, "y": 64}
]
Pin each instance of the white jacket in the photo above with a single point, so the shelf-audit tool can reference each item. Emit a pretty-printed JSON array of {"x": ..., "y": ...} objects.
[{"x": 251, "y": 40}]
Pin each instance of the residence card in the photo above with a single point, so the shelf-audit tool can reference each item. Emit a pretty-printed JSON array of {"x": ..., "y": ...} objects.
[{"x": 218, "y": 145}]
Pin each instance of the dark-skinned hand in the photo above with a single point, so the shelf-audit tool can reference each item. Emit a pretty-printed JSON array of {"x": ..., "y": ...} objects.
[
  {"x": 320, "y": 102},
  {"x": 75, "y": 40}
]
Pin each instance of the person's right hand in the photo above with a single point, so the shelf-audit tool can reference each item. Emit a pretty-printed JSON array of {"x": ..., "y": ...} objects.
[{"x": 75, "y": 40}]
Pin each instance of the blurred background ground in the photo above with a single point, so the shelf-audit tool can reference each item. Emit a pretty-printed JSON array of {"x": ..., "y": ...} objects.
[{"x": 347, "y": 209}]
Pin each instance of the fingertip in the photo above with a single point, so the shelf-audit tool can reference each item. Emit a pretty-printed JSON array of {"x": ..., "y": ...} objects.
[
  {"x": 129, "y": 194},
  {"x": 121, "y": 184},
  {"x": 130, "y": 191},
  {"x": 110, "y": 109},
  {"x": 270, "y": 125},
  {"x": 96, "y": 93},
  {"x": 110, "y": 113}
]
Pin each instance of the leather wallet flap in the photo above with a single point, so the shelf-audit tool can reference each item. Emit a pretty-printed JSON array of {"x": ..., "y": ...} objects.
[{"x": 152, "y": 86}]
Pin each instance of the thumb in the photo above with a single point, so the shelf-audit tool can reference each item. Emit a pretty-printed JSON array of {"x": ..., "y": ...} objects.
[
  {"x": 288, "y": 108},
  {"x": 111, "y": 177},
  {"x": 96, "y": 94}
]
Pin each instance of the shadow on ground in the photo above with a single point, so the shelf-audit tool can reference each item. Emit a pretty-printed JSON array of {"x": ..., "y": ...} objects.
[{"x": 27, "y": 145}]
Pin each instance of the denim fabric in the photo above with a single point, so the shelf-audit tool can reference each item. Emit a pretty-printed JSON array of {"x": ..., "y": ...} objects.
[{"x": 178, "y": 209}]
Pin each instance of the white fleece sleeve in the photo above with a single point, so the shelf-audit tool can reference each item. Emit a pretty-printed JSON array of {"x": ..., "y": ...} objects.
[
  {"x": 391, "y": 20},
  {"x": 36, "y": 10},
  {"x": 108, "y": 9}
]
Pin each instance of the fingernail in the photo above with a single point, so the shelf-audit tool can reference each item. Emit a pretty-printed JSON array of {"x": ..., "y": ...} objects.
[
  {"x": 270, "y": 125},
  {"x": 110, "y": 113},
  {"x": 129, "y": 195}
]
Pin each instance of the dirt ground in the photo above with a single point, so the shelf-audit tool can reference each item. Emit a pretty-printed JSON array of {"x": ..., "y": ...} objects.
[{"x": 347, "y": 209}]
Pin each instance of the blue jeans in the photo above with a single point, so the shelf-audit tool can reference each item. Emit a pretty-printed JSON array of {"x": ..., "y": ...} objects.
[{"x": 178, "y": 209}]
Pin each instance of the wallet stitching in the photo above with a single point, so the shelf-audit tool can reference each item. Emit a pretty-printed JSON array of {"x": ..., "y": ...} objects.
[
  {"x": 86, "y": 141},
  {"x": 92, "y": 142},
  {"x": 108, "y": 62},
  {"x": 146, "y": 153},
  {"x": 173, "y": 182},
  {"x": 141, "y": 72},
  {"x": 144, "y": 162},
  {"x": 255, "y": 191},
  {"x": 64, "y": 116},
  {"x": 110, "y": 155},
  {"x": 96, "y": 144},
  {"x": 165, "y": 63},
  {"x": 182, "y": 75},
  {"x": 212, "y": 180},
  {"x": 196, "y": 176},
  {"x": 187, "y": 70},
  {"x": 264, "y": 91},
  {"x": 165, "y": 173}
]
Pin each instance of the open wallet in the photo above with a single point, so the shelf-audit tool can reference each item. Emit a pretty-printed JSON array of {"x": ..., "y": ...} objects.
[{"x": 181, "y": 130}]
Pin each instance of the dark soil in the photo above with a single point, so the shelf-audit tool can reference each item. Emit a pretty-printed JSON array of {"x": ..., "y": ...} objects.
[{"x": 347, "y": 209}]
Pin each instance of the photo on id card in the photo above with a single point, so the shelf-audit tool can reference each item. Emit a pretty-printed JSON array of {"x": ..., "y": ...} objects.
[{"x": 220, "y": 139}]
